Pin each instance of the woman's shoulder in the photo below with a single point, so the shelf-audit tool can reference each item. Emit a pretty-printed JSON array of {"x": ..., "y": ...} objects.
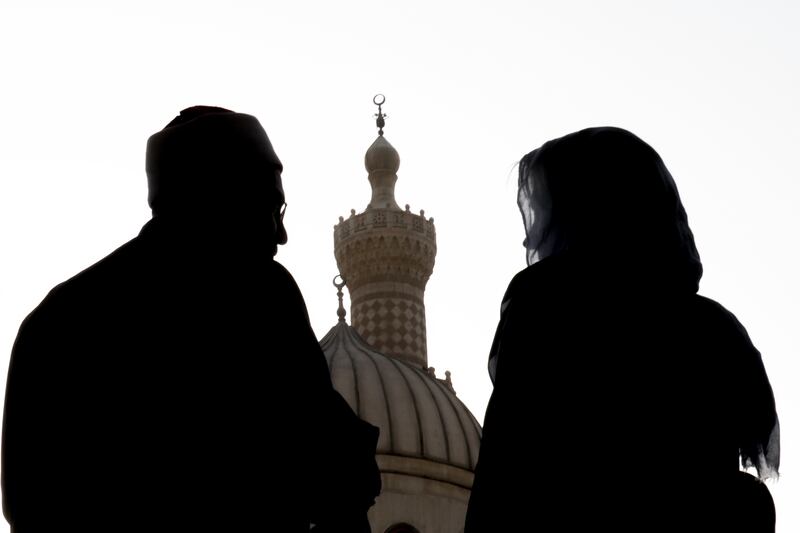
[
  {"x": 711, "y": 310},
  {"x": 544, "y": 273}
]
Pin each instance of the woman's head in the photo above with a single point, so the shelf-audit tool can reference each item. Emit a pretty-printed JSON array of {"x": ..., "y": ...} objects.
[{"x": 606, "y": 194}]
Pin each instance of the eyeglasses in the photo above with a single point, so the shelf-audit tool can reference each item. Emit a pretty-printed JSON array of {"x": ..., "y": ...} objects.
[{"x": 283, "y": 210}]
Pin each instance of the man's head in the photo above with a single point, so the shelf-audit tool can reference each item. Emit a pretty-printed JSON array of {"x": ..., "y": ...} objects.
[{"x": 212, "y": 163}]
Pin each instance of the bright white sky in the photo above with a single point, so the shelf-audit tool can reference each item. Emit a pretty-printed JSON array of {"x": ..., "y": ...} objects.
[{"x": 470, "y": 87}]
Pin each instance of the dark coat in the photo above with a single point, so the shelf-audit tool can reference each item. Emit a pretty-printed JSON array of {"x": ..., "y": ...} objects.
[
  {"x": 177, "y": 385},
  {"x": 619, "y": 404}
]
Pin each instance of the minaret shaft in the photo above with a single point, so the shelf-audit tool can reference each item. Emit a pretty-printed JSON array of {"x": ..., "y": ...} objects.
[{"x": 386, "y": 258}]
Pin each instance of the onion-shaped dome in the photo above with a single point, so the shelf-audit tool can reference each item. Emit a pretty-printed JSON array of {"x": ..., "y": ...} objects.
[
  {"x": 418, "y": 415},
  {"x": 381, "y": 156}
]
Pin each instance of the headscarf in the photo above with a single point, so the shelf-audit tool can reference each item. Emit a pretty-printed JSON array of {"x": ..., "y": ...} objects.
[{"x": 606, "y": 195}]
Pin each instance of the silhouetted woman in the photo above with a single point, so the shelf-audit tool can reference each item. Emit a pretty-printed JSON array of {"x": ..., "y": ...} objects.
[{"x": 621, "y": 397}]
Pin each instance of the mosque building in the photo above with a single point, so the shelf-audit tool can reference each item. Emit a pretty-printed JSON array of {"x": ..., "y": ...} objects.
[{"x": 429, "y": 440}]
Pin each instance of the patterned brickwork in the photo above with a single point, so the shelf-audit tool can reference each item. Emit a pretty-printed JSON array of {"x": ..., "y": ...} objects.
[{"x": 393, "y": 326}]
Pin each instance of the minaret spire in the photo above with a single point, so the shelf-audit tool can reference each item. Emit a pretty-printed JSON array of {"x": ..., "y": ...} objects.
[
  {"x": 386, "y": 255},
  {"x": 379, "y": 100},
  {"x": 382, "y": 162}
]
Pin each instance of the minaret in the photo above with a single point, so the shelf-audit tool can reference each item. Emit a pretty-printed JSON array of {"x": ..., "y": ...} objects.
[{"x": 386, "y": 256}]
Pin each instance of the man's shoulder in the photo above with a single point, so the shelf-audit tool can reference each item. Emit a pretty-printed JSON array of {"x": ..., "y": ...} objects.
[
  {"x": 288, "y": 291},
  {"x": 95, "y": 278},
  {"x": 712, "y": 309},
  {"x": 117, "y": 263},
  {"x": 712, "y": 312},
  {"x": 281, "y": 272}
]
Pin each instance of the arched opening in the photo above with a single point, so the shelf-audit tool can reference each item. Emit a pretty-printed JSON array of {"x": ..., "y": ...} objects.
[{"x": 401, "y": 528}]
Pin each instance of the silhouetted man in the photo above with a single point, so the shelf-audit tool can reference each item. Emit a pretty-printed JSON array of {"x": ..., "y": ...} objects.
[{"x": 177, "y": 385}]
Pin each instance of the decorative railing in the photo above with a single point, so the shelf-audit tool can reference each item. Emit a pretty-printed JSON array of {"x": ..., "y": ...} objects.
[{"x": 384, "y": 218}]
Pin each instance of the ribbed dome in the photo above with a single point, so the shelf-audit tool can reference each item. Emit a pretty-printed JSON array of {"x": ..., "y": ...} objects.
[
  {"x": 382, "y": 156},
  {"x": 418, "y": 415}
]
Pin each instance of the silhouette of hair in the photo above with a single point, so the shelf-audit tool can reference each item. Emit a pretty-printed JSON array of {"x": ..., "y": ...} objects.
[{"x": 604, "y": 192}]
